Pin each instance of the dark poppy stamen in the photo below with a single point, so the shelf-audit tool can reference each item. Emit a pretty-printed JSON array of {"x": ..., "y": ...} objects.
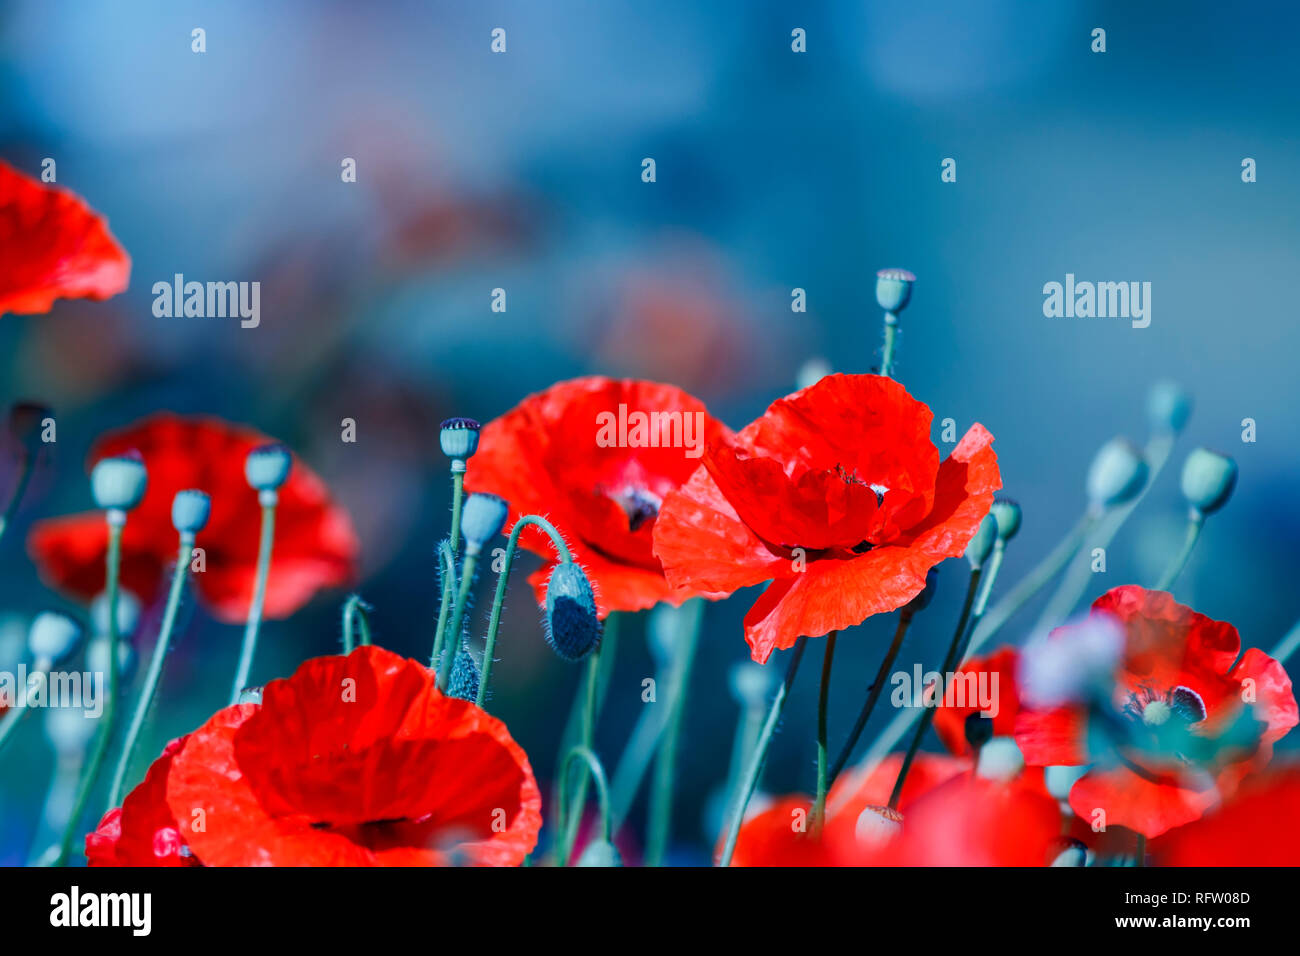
[{"x": 639, "y": 505}]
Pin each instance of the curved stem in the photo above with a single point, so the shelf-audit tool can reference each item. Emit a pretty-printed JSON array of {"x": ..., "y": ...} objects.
[
  {"x": 570, "y": 825},
  {"x": 1195, "y": 522},
  {"x": 354, "y": 613},
  {"x": 451, "y": 640},
  {"x": 498, "y": 598},
  {"x": 20, "y": 488},
  {"x": 891, "y": 338},
  {"x": 661, "y": 790},
  {"x": 90, "y": 773},
  {"x": 155, "y": 669},
  {"x": 873, "y": 695},
  {"x": 1287, "y": 646},
  {"x": 457, "y": 496},
  {"x": 597, "y": 771},
  {"x": 448, "y": 563},
  {"x": 949, "y": 662},
  {"x": 573, "y": 725},
  {"x": 823, "y": 699},
  {"x": 759, "y": 756},
  {"x": 249, "y": 646}
]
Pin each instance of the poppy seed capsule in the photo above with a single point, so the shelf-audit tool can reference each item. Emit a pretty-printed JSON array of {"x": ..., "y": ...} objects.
[
  {"x": 1208, "y": 480},
  {"x": 118, "y": 483},
  {"x": 1007, "y": 514},
  {"x": 481, "y": 519},
  {"x": 600, "y": 852},
  {"x": 128, "y": 613},
  {"x": 894, "y": 289},
  {"x": 981, "y": 546},
  {"x": 1117, "y": 473},
  {"x": 97, "y": 659},
  {"x": 572, "y": 627},
  {"x": 876, "y": 826},
  {"x": 1168, "y": 407},
  {"x": 465, "y": 677},
  {"x": 190, "y": 510},
  {"x": 459, "y": 438},
  {"x": 267, "y": 466},
  {"x": 53, "y": 637}
]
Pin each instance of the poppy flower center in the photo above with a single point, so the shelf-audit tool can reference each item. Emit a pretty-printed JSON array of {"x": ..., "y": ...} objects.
[{"x": 639, "y": 504}]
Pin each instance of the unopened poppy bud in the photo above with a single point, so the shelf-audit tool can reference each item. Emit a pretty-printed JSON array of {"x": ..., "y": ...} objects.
[
  {"x": 25, "y": 424},
  {"x": 267, "y": 466},
  {"x": 1168, "y": 407},
  {"x": 69, "y": 729},
  {"x": 1059, "y": 780},
  {"x": 465, "y": 677},
  {"x": 53, "y": 637},
  {"x": 481, "y": 520},
  {"x": 981, "y": 546},
  {"x": 1007, "y": 514},
  {"x": 1067, "y": 851},
  {"x": 118, "y": 483},
  {"x": 876, "y": 826},
  {"x": 1208, "y": 480},
  {"x": 128, "y": 613},
  {"x": 894, "y": 289},
  {"x": 600, "y": 853},
  {"x": 979, "y": 730},
  {"x": 572, "y": 628},
  {"x": 1117, "y": 473},
  {"x": 250, "y": 695},
  {"x": 1071, "y": 665},
  {"x": 459, "y": 438},
  {"x": 97, "y": 659},
  {"x": 190, "y": 510},
  {"x": 1000, "y": 759}
]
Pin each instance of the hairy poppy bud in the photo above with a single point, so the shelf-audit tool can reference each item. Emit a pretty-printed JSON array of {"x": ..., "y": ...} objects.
[
  {"x": 1168, "y": 407},
  {"x": 894, "y": 289},
  {"x": 459, "y": 438},
  {"x": 572, "y": 628},
  {"x": 267, "y": 466},
  {"x": 1208, "y": 480},
  {"x": 128, "y": 613},
  {"x": 53, "y": 637},
  {"x": 1007, "y": 514},
  {"x": 600, "y": 852},
  {"x": 876, "y": 826},
  {"x": 190, "y": 510},
  {"x": 118, "y": 483},
  {"x": 1117, "y": 473},
  {"x": 465, "y": 677},
  {"x": 981, "y": 546},
  {"x": 481, "y": 520}
]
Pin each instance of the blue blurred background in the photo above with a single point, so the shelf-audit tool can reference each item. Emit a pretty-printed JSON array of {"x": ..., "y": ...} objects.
[{"x": 775, "y": 170}]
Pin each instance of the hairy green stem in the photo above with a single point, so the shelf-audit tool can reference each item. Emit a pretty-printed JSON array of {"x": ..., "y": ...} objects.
[
  {"x": 597, "y": 772},
  {"x": 451, "y": 641},
  {"x": 354, "y": 614},
  {"x": 873, "y": 695},
  {"x": 457, "y": 496},
  {"x": 570, "y": 834},
  {"x": 448, "y": 562},
  {"x": 1195, "y": 522},
  {"x": 823, "y": 701}
]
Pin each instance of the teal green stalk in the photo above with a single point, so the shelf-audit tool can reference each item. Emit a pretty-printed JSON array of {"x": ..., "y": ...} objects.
[
  {"x": 597, "y": 771},
  {"x": 451, "y": 642},
  {"x": 1076, "y": 579},
  {"x": 91, "y": 772},
  {"x": 661, "y": 791},
  {"x": 949, "y": 663},
  {"x": 9, "y": 723},
  {"x": 823, "y": 699},
  {"x": 24, "y": 476},
  {"x": 756, "y": 760},
  {"x": 1287, "y": 646},
  {"x": 1033, "y": 582},
  {"x": 354, "y": 613},
  {"x": 570, "y": 834},
  {"x": 155, "y": 668},
  {"x": 873, "y": 695},
  {"x": 457, "y": 497},
  {"x": 448, "y": 562},
  {"x": 573, "y": 726},
  {"x": 498, "y": 599},
  {"x": 249, "y": 647},
  {"x": 1195, "y": 522},
  {"x": 891, "y": 337}
]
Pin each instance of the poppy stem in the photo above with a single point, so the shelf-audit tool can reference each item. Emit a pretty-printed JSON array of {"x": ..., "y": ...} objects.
[
  {"x": 891, "y": 338},
  {"x": 597, "y": 771},
  {"x": 249, "y": 647},
  {"x": 457, "y": 496},
  {"x": 949, "y": 663},
  {"x": 1195, "y": 522},
  {"x": 588, "y": 734},
  {"x": 661, "y": 789},
  {"x": 498, "y": 599},
  {"x": 447, "y": 562},
  {"x": 1287, "y": 646},
  {"x": 823, "y": 699},
  {"x": 1032, "y": 583},
  {"x": 155, "y": 668},
  {"x": 873, "y": 695},
  {"x": 9, "y": 722},
  {"x": 572, "y": 726},
  {"x": 451, "y": 640},
  {"x": 759, "y": 756},
  {"x": 20, "y": 488},
  {"x": 354, "y": 613},
  {"x": 90, "y": 774}
]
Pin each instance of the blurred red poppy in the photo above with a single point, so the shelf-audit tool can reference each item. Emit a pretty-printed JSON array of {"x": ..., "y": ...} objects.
[
  {"x": 836, "y": 495},
  {"x": 315, "y": 545},
  {"x": 950, "y": 723},
  {"x": 53, "y": 246},
  {"x": 1259, "y": 826},
  {"x": 1187, "y": 720},
  {"x": 142, "y": 831},
  {"x": 597, "y": 456}
]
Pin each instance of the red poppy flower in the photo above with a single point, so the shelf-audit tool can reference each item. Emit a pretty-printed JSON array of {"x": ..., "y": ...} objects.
[
  {"x": 315, "y": 545},
  {"x": 1187, "y": 720},
  {"x": 1259, "y": 826},
  {"x": 837, "y": 496},
  {"x": 142, "y": 831},
  {"x": 597, "y": 456},
  {"x": 52, "y": 246},
  {"x": 950, "y": 722}
]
